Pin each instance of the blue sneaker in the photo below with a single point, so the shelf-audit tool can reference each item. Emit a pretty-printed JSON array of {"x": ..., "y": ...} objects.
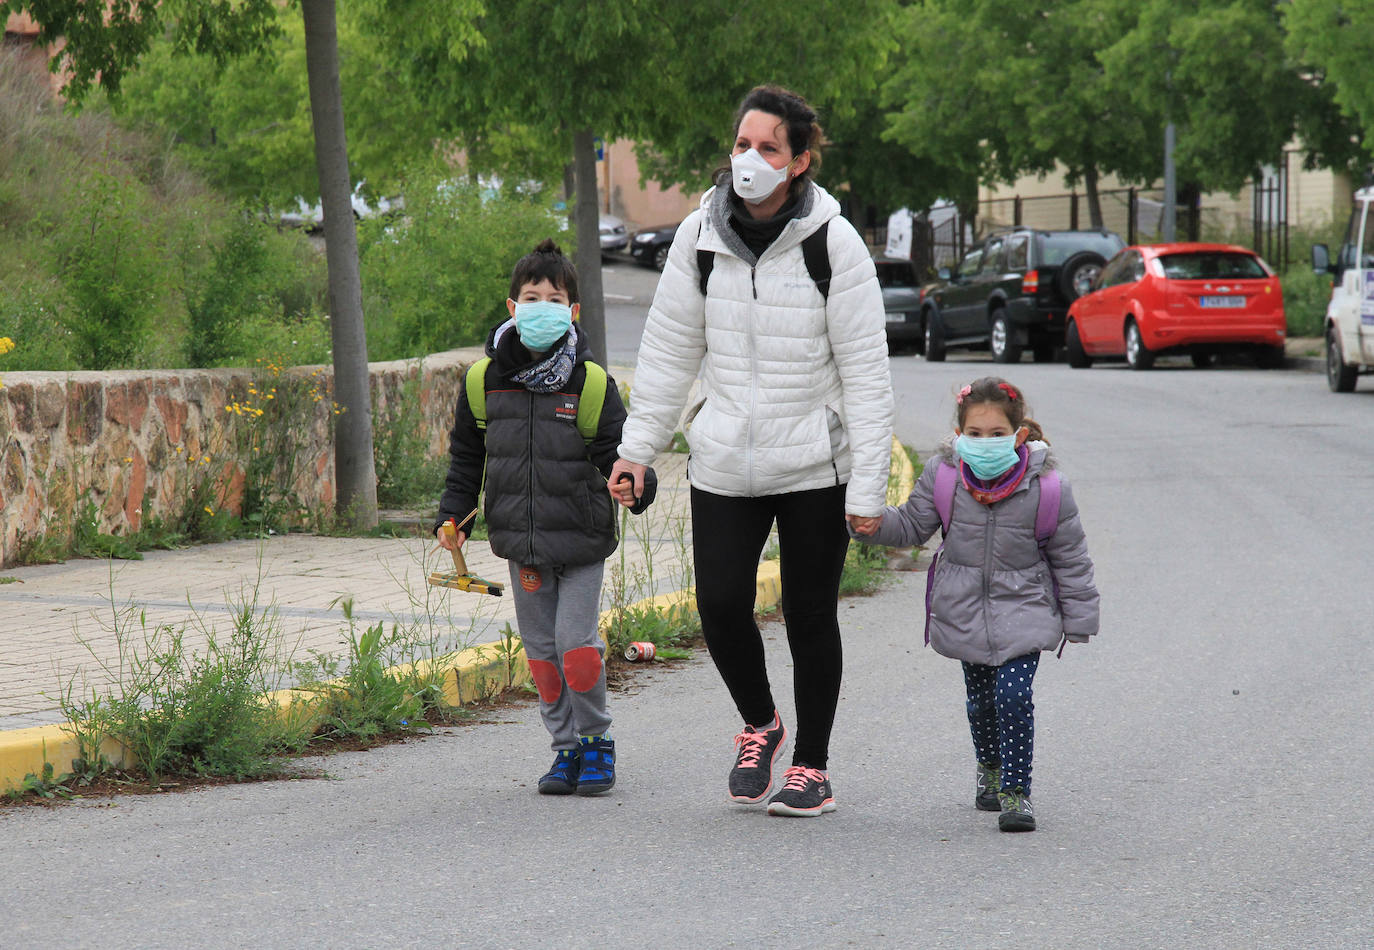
[
  {"x": 562, "y": 778},
  {"x": 598, "y": 765}
]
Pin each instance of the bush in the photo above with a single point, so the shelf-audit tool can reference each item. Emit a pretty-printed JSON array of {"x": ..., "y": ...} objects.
[
  {"x": 256, "y": 298},
  {"x": 438, "y": 278},
  {"x": 1305, "y": 296}
]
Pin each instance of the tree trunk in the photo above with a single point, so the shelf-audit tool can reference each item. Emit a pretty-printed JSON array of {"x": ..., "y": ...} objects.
[
  {"x": 1094, "y": 200},
  {"x": 586, "y": 216},
  {"x": 354, "y": 470}
]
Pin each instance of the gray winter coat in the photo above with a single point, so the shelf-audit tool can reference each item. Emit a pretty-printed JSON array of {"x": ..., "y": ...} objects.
[{"x": 993, "y": 597}]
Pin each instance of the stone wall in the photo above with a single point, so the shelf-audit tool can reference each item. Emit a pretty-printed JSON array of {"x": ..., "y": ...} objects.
[{"x": 133, "y": 442}]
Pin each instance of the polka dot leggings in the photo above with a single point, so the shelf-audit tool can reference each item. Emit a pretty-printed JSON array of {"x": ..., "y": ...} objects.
[{"x": 1001, "y": 716}]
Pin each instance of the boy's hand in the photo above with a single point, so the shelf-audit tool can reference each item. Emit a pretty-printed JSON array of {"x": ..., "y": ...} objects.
[
  {"x": 864, "y": 526},
  {"x": 626, "y": 490},
  {"x": 450, "y": 541}
]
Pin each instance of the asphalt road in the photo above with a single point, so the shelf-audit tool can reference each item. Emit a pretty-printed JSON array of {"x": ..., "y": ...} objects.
[{"x": 1199, "y": 780}]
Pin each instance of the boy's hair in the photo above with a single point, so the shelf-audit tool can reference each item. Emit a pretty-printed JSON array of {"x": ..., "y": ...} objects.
[
  {"x": 799, "y": 119},
  {"x": 545, "y": 262},
  {"x": 993, "y": 390}
]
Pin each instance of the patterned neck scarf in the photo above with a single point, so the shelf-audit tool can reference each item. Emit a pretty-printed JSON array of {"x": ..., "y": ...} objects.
[
  {"x": 551, "y": 373},
  {"x": 999, "y": 488}
]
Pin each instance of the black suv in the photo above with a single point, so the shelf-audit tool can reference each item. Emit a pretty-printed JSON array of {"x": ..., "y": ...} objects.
[{"x": 1012, "y": 291}]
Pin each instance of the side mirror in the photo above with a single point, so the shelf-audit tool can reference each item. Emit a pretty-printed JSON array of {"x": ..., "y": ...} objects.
[
  {"x": 1321, "y": 259},
  {"x": 943, "y": 273}
]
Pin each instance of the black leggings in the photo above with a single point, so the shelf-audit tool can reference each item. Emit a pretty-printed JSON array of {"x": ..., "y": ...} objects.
[{"x": 728, "y": 535}]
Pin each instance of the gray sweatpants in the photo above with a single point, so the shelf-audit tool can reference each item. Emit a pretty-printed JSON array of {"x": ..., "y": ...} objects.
[{"x": 556, "y": 609}]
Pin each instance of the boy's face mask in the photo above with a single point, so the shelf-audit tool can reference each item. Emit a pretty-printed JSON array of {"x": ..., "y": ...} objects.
[{"x": 541, "y": 323}]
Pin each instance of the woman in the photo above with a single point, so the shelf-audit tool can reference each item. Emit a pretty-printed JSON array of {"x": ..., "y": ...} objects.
[{"x": 793, "y": 425}]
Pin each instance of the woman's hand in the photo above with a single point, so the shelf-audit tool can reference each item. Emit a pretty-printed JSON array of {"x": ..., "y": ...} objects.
[
  {"x": 626, "y": 490},
  {"x": 864, "y": 526}
]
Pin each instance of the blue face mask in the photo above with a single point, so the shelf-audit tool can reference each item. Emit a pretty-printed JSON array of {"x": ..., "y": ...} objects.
[
  {"x": 541, "y": 323},
  {"x": 988, "y": 457}
]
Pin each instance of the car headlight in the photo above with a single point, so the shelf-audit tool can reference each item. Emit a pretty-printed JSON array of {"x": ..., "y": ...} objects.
[{"x": 643, "y": 238}]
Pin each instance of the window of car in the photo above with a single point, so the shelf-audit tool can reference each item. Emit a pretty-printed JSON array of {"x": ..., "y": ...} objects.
[
  {"x": 1211, "y": 265},
  {"x": 969, "y": 265},
  {"x": 895, "y": 274},
  {"x": 1111, "y": 273},
  {"x": 992, "y": 257},
  {"x": 1136, "y": 265},
  {"x": 1018, "y": 251},
  {"x": 1058, "y": 246}
]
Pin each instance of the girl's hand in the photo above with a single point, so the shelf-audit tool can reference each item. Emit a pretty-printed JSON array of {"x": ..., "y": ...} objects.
[
  {"x": 864, "y": 526},
  {"x": 626, "y": 490}
]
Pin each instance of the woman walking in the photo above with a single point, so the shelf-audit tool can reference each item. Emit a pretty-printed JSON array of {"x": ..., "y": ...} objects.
[{"x": 771, "y": 296}]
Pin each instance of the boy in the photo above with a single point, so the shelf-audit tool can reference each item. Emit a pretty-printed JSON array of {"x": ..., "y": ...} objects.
[{"x": 547, "y": 508}]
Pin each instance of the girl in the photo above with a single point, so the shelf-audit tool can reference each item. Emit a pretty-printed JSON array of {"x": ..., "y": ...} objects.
[
  {"x": 1000, "y": 591},
  {"x": 793, "y": 425}
]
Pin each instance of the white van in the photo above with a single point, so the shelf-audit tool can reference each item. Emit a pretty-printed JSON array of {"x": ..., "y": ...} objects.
[{"x": 1350, "y": 314}]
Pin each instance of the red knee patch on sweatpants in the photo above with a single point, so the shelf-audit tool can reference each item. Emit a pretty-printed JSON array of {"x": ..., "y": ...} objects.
[
  {"x": 546, "y": 680},
  {"x": 582, "y": 667}
]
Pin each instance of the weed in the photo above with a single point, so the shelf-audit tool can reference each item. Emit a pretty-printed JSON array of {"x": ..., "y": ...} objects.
[
  {"x": 405, "y": 472},
  {"x": 48, "y": 785},
  {"x": 10, "y": 580},
  {"x": 864, "y": 570}
]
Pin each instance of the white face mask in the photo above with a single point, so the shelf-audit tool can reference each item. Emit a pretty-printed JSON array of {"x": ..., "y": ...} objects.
[{"x": 754, "y": 179}]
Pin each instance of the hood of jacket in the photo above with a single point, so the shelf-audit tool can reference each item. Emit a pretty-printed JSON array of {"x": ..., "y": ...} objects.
[{"x": 817, "y": 207}]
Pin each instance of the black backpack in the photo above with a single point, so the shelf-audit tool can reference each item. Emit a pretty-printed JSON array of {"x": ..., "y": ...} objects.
[{"x": 814, "y": 251}]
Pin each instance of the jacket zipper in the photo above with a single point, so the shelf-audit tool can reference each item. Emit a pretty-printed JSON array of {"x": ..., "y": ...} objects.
[
  {"x": 529, "y": 478},
  {"x": 753, "y": 397},
  {"x": 990, "y": 532}
]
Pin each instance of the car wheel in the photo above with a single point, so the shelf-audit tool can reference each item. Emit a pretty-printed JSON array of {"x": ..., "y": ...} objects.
[
  {"x": 1340, "y": 377},
  {"x": 1000, "y": 339},
  {"x": 1073, "y": 347},
  {"x": 1203, "y": 359},
  {"x": 1137, "y": 353},
  {"x": 661, "y": 256},
  {"x": 1078, "y": 273},
  {"x": 1271, "y": 357},
  {"x": 935, "y": 337}
]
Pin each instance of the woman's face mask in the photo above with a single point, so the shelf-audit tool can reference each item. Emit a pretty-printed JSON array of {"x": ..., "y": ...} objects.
[{"x": 753, "y": 178}]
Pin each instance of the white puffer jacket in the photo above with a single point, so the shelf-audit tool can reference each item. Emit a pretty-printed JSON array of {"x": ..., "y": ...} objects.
[{"x": 795, "y": 389}]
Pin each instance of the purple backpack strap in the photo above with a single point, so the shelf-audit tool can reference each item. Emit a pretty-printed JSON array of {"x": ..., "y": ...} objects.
[
  {"x": 1047, "y": 522},
  {"x": 946, "y": 479}
]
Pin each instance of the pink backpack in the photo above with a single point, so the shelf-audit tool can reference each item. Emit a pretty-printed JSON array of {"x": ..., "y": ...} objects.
[{"x": 1046, "y": 520}]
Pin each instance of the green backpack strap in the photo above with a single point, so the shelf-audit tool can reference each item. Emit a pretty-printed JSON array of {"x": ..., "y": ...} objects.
[
  {"x": 476, "y": 383},
  {"x": 588, "y": 406},
  {"x": 593, "y": 398}
]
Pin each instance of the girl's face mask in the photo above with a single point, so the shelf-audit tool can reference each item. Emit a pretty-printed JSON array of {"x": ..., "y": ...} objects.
[{"x": 989, "y": 456}]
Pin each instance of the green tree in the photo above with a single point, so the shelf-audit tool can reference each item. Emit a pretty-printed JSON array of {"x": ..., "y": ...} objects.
[
  {"x": 668, "y": 74},
  {"x": 1333, "y": 43},
  {"x": 106, "y": 39}
]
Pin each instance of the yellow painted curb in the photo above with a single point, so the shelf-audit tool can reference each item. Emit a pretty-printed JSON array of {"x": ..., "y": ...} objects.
[{"x": 468, "y": 675}]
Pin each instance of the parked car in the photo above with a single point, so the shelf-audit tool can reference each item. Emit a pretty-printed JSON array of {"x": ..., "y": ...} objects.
[
  {"x": 1198, "y": 299},
  {"x": 901, "y": 302},
  {"x": 649, "y": 246},
  {"x": 1350, "y": 313},
  {"x": 1012, "y": 292},
  {"x": 311, "y": 217},
  {"x": 613, "y": 234}
]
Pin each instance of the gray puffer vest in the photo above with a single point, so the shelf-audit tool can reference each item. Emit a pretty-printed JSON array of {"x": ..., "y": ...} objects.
[
  {"x": 993, "y": 596},
  {"x": 546, "y": 503}
]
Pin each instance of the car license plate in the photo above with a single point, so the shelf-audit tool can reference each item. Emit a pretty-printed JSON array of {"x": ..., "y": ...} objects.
[{"x": 1222, "y": 301}]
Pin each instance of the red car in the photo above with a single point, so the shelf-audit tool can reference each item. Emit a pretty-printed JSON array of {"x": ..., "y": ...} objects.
[{"x": 1199, "y": 299}]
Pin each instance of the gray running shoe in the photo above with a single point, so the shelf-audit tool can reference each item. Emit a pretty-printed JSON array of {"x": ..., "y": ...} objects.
[
  {"x": 805, "y": 793},
  {"x": 752, "y": 777}
]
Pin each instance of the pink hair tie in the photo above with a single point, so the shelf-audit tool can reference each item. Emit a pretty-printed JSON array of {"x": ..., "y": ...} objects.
[{"x": 962, "y": 393}]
